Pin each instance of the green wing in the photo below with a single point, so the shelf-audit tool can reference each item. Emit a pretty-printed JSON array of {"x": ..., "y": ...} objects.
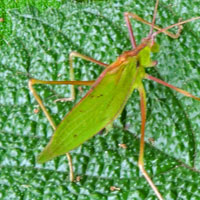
[{"x": 99, "y": 107}]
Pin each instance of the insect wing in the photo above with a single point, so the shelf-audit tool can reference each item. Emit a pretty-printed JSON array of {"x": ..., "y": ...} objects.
[{"x": 100, "y": 106}]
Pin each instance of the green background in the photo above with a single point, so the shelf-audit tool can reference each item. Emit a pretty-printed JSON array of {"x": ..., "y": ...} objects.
[{"x": 36, "y": 41}]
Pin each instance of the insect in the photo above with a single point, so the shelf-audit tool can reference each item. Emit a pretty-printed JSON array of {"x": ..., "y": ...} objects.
[{"x": 102, "y": 100}]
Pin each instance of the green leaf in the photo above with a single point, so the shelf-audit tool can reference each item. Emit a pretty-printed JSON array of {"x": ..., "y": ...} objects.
[{"x": 39, "y": 47}]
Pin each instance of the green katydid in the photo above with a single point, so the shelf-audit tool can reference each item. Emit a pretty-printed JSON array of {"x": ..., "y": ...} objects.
[{"x": 108, "y": 95}]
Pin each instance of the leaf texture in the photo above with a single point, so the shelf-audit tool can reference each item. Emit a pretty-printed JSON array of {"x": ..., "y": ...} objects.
[{"x": 39, "y": 47}]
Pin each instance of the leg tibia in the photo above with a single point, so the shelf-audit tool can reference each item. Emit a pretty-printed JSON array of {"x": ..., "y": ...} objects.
[
  {"x": 131, "y": 35},
  {"x": 172, "y": 87},
  {"x": 147, "y": 177},
  {"x": 51, "y": 121},
  {"x": 141, "y": 155},
  {"x": 75, "y": 54}
]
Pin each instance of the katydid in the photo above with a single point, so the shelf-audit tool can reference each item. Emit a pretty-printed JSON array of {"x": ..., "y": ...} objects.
[{"x": 108, "y": 95}]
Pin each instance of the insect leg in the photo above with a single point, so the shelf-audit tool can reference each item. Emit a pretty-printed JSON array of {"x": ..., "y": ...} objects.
[
  {"x": 130, "y": 30},
  {"x": 172, "y": 87},
  {"x": 141, "y": 155},
  {"x": 138, "y": 18},
  {"x": 39, "y": 100},
  {"x": 71, "y": 56}
]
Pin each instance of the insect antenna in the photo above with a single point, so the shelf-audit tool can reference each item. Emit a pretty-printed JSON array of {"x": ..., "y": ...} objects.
[
  {"x": 154, "y": 18},
  {"x": 173, "y": 25}
]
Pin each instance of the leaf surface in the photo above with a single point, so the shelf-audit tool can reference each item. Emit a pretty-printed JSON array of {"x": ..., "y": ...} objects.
[{"x": 39, "y": 47}]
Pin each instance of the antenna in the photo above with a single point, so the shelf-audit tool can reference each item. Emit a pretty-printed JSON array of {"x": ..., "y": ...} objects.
[
  {"x": 173, "y": 25},
  {"x": 154, "y": 17}
]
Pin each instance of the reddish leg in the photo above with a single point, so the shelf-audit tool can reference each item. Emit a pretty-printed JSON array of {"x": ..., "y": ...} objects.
[
  {"x": 172, "y": 87},
  {"x": 51, "y": 121},
  {"x": 72, "y": 82},
  {"x": 71, "y": 71},
  {"x": 141, "y": 155},
  {"x": 130, "y": 30}
]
